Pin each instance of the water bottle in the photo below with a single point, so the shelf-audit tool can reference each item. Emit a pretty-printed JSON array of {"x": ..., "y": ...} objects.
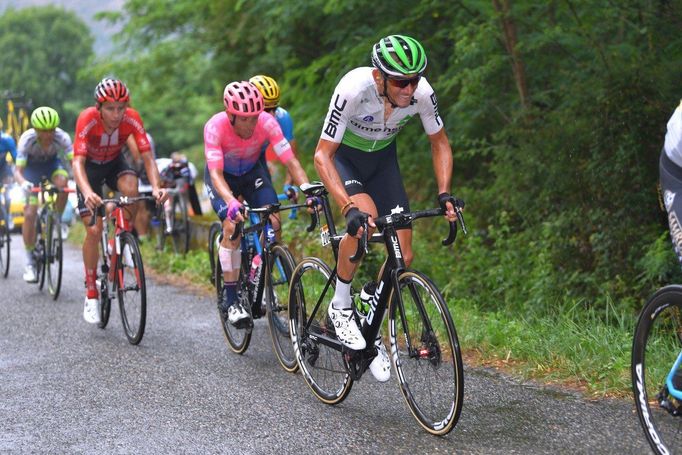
[
  {"x": 256, "y": 264},
  {"x": 363, "y": 304}
]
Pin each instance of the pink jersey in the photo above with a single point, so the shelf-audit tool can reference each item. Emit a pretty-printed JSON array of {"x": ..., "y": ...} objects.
[{"x": 225, "y": 150}]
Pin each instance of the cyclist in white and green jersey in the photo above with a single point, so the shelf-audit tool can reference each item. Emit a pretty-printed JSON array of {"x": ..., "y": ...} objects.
[{"x": 357, "y": 162}]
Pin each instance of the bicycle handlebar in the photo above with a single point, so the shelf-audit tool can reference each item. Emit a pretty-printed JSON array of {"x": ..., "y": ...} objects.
[{"x": 119, "y": 202}]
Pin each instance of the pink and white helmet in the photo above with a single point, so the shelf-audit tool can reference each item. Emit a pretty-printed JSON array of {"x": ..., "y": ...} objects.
[{"x": 242, "y": 98}]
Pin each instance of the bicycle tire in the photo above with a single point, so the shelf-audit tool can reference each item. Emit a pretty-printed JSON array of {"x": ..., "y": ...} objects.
[
  {"x": 180, "y": 225},
  {"x": 39, "y": 250},
  {"x": 425, "y": 353},
  {"x": 656, "y": 344},
  {"x": 53, "y": 250},
  {"x": 5, "y": 246},
  {"x": 213, "y": 240},
  {"x": 238, "y": 339},
  {"x": 104, "y": 297},
  {"x": 280, "y": 268},
  {"x": 322, "y": 366},
  {"x": 131, "y": 288}
]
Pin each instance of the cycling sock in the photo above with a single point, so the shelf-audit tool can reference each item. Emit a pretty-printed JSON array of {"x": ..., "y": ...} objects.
[
  {"x": 230, "y": 289},
  {"x": 341, "y": 299},
  {"x": 91, "y": 283},
  {"x": 29, "y": 255}
]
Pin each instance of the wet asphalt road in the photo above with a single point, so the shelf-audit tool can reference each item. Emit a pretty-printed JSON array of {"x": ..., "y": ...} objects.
[{"x": 69, "y": 387}]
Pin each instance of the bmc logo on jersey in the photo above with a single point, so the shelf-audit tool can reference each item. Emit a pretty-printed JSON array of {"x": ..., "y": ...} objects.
[
  {"x": 368, "y": 118},
  {"x": 334, "y": 117}
]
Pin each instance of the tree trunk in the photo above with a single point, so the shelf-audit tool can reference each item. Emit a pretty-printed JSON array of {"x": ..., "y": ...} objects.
[{"x": 510, "y": 41}]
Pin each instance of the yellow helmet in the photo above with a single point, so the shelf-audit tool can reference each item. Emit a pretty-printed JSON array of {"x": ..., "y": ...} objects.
[{"x": 268, "y": 88}]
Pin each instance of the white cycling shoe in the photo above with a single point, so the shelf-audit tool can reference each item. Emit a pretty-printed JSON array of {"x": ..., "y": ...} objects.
[
  {"x": 346, "y": 328},
  {"x": 91, "y": 311},
  {"x": 30, "y": 275},
  {"x": 381, "y": 365}
]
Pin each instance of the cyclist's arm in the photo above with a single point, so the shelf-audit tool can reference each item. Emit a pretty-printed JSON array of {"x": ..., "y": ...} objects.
[
  {"x": 326, "y": 169},
  {"x": 220, "y": 185},
  {"x": 19, "y": 174},
  {"x": 152, "y": 173},
  {"x": 296, "y": 170},
  {"x": 294, "y": 148},
  {"x": 442, "y": 165}
]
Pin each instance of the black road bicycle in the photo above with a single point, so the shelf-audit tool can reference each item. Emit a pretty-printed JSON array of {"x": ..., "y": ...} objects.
[
  {"x": 425, "y": 351},
  {"x": 48, "y": 251},
  {"x": 263, "y": 284},
  {"x": 655, "y": 369},
  {"x": 4, "y": 232}
]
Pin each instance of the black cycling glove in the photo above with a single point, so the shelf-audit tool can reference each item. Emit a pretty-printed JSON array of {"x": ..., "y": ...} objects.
[{"x": 355, "y": 219}]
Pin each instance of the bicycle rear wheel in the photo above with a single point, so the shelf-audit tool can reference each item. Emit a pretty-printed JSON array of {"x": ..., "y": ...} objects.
[
  {"x": 656, "y": 346},
  {"x": 238, "y": 339},
  {"x": 318, "y": 352},
  {"x": 53, "y": 252},
  {"x": 4, "y": 241},
  {"x": 280, "y": 268},
  {"x": 40, "y": 253},
  {"x": 131, "y": 288},
  {"x": 425, "y": 353},
  {"x": 213, "y": 243}
]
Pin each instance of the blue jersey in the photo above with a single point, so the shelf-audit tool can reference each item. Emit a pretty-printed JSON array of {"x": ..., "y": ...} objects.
[
  {"x": 7, "y": 144},
  {"x": 286, "y": 123}
]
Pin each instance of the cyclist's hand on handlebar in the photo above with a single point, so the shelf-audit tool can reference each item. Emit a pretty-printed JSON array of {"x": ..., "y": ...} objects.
[
  {"x": 160, "y": 195},
  {"x": 92, "y": 201},
  {"x": 234, "y": 211},
  {"x": 27, "y": 186},
  {"x": 313, "y": 203},
  {"x": 447, "y": 204},
  {"x": 291, "y": 192},
  {"x": 356, "y": 221}
]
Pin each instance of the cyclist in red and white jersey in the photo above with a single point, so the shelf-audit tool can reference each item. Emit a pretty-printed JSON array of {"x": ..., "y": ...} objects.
[
  {"x": 233, "y": 140},
  {"x": 101, "y": 132},
  {"x": 356, "y": 158}
]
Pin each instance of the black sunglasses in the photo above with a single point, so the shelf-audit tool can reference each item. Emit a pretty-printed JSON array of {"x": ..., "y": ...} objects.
[{"x": 402, "y": 83}]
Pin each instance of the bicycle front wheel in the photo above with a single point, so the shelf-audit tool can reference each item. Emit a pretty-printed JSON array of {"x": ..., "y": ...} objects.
[
  {"x": 656, "y": 346},
  {"x": 213, "y": 244},
  {"x": 238, "y": 338},
  {"x": 40, "y": 253},
  {"x": 4, "y": 241},
  {"x": 317, "y": 350},
  {"x": 53, "y": 250},
  {"x": 280, "y": 268},
  {"x": 131, "y": 288},
  {"x": 425, "y": 353}
]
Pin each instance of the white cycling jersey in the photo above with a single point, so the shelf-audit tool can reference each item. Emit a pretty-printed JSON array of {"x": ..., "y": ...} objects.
[
  {"x": 356, "y": 112},
  {"x": 29, "y": 149},
  {"x": 673, "y": 137}
]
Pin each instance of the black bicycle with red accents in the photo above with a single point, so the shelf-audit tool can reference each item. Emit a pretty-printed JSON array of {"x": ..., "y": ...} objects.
[{"x": 424, "y": 348}]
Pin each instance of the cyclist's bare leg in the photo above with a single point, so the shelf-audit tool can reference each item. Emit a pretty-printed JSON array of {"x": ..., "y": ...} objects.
[
  {"x": 347, "y": 247},
  {"x": 28, "y": 228},
  {"x": 232, "y": 275},
  {"x": 405, "y": 238},
  {"x": 92, "y": 237},
  {"x": 60, "y": 182},
  {"x": 127, "y": 186}
]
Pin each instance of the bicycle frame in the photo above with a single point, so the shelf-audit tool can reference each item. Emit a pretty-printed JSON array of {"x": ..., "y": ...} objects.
[{"x": 388, "y": 281}]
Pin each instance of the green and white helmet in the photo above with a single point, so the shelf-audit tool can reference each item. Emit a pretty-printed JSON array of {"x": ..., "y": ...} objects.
[
  {"x": 399, "y": 56},
  {"x": 44, "y": 118}
]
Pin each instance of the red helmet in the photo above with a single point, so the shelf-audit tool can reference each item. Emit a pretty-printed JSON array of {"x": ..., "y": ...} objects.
[
  {"x": 242, "y": 98},
  {"x": 111, "y": 90}
]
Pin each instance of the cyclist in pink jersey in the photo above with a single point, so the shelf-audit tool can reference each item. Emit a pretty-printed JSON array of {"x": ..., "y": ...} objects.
[{"x": 233, "y": 141}]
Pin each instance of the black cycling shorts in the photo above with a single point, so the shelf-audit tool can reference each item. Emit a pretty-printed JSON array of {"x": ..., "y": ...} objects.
[
  {"x": 375, "y": 173},
  {"x": 99, "y": 174}
]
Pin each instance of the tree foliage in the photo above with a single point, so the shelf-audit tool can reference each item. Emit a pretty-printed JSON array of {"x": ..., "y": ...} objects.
[{"x": 43, "y": 50}]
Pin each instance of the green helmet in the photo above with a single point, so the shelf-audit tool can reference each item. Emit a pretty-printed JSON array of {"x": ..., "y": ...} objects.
[
  {"x": 45, "y": 118},
  {"x": 399, "y": 56}
]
